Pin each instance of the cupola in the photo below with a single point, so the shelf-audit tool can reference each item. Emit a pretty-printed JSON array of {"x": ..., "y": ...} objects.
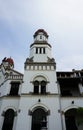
[
  {"x": 8, "y": 62},
  {"x": 40, "y": 36},
  {"x": 40, "y": 49}
]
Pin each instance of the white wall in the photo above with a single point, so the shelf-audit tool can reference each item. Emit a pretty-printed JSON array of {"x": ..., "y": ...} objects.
[
  {"x": 30, "y": 75},
  {"x": 27, "y": 102},
  {"x": 40, "y": 57}
]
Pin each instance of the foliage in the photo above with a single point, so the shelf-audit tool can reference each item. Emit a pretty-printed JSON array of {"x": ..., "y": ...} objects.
[
  {"x": 79, "y": 111},
  {"x": 79, "y": 114}
]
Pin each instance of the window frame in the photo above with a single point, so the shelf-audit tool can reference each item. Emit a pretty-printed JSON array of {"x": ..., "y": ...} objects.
[{"x": 14, "y": 89}]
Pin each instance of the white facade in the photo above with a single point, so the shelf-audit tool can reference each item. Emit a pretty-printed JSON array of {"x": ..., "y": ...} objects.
[{"x": 41, "y": 99}]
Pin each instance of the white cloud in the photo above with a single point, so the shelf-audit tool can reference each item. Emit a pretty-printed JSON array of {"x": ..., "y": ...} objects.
[{"x": 70, "y": 62}]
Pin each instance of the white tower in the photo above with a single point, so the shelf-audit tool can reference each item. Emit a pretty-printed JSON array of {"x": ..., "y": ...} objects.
[
  {"x": 40, "y": 50},
  {"x": 39, "y": 102}
]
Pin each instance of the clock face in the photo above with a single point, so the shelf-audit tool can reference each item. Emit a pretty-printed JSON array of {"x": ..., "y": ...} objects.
[{"x": 40, "y": 36}]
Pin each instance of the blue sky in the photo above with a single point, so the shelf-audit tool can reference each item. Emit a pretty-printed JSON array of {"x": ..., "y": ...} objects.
[{"x": 61, "y": 19}]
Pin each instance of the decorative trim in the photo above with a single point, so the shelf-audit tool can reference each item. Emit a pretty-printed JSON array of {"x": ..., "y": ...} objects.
[
  {"x": 3, "y": 113},
  {"x": 37, "y": 106},
  {"x": 30, "y": 112},
  {"x": 15, "y": 113},
  {"x": 48, "y": 112},
  {"x": 39, "y": 43}
]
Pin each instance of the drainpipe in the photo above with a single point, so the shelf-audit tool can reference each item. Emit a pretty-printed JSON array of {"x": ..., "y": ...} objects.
[{"x": 60, "y": 104}]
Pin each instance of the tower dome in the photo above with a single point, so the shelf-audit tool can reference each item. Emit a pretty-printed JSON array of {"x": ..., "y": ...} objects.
[
  {"x": 8, "y": 62},
  {"x": 41, "y": 31},
  {"x": 40, "y": 36},
  {"x": 40, "y": 49}
]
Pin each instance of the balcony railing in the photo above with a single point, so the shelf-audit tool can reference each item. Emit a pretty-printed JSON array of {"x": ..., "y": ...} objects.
[{"x": 15, "y": 77}]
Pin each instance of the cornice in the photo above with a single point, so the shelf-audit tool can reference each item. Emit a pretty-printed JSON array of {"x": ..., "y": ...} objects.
[{"x": 40, "y": 43}]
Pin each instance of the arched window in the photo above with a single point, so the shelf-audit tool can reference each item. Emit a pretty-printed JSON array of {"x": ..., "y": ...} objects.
[
  {"x": 40, "y": 85},
  {"x": 39, "y": 119},
  {"x": 36, "y": 87},
  {"x": 8, "y": 120},
  {"x": 43, "y": 87},
  {"x": 70, "y": 119}
]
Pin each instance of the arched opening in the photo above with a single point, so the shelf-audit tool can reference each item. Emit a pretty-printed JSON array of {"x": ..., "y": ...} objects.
[
  {"x": 36, "y": 87},
  {"x": 70, "y": 119},
  {"x": 8, "y": 120},
  {"x": 40, "y": 84},
  {"x": 43, "y": 87},
  {"x": 39, "y": 119}
]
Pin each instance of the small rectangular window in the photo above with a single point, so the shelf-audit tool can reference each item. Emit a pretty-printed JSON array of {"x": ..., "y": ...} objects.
[
  {"x": 36, "y": 50},
  {"x": 40, "y": 36},
  {"x": 14, "y": 89}
]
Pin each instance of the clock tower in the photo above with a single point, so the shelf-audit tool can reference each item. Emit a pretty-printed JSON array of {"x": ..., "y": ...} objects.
[
  {"x": 39, "y": 103},
  {"x": 40, "y": 49}
]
